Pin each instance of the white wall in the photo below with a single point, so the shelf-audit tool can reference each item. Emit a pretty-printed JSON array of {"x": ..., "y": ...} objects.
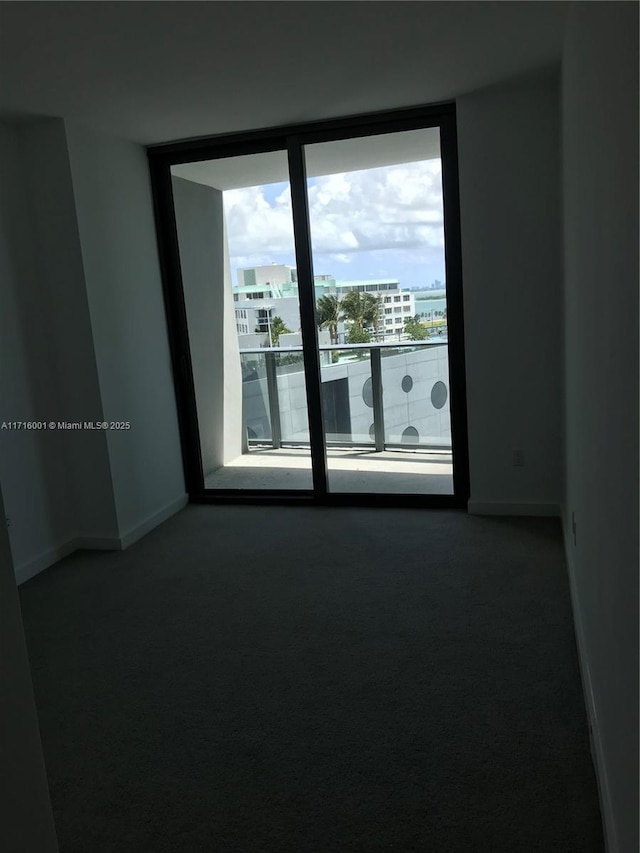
[
  {"x": 199, "y": 224},
  {"x": 63, "y": 300},
  {"x": 600, "y": 158},
  {"x": 508, "y": 138},
  {"x": 206, "y": 278},
  {"x": 26, "y": 819},
  {"x": 82, "y": 338},
  {"x": 235, "y": 440},
  {"x": 57, "y": 484},
  {"x": 112, "y": 191},
  {"x": 32, "y": 469}
]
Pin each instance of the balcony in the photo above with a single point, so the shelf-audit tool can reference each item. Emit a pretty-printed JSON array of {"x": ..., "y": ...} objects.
[{"x": 386, "y": 418}]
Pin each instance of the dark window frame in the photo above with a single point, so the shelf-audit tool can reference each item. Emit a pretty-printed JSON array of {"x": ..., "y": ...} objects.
[{"x": 292, "y": 139}]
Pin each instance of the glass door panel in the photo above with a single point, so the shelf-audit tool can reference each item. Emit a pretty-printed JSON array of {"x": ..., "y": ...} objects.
[
  {"x": 237, "y": 257},
  {"x": 377, "y": 241}
]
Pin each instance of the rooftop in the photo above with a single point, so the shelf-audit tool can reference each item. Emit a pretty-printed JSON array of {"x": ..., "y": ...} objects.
[{"x": 365, "y": 281}]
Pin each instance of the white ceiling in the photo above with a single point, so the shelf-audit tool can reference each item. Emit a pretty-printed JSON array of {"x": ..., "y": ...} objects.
[{"x": 159, "y": 71}]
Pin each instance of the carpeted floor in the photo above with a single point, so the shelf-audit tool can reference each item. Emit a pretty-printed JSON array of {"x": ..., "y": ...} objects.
[{"x": 313, "y": 679}]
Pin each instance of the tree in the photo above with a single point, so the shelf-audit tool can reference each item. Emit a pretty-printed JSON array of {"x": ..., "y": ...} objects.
[
  {"x": 278, "y": 328},
  {"x": 328, "y": 315},
  {"x": 372, "y": 311},
  {"x": 358, "y": 336},
  {"x": 416, "y": 330},
  {"x": 362, "y": 310}
]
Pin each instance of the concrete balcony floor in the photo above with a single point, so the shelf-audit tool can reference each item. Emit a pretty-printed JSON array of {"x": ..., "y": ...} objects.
[{"x": 363, "y": 471}]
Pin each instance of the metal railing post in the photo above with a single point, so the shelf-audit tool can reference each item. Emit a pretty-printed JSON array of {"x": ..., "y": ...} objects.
[
  {"x": 274, "y": 402},
  {"x": 378, "y": 406}
]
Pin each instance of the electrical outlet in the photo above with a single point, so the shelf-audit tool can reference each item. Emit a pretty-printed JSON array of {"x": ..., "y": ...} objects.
[
  {"x": 518, "y": 459},
  {"x": 574, "y": 528},
  {"x": 8, "y": 520}
]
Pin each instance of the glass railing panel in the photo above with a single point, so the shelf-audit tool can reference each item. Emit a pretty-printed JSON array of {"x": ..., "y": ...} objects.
[
  {"x": 415, "y": 381},
  {"x": 292, "y": 398},
  {"x": 347, "y": 396},
  {"x": 255, "y": 398},
  {"x": 275, "y": 420}
]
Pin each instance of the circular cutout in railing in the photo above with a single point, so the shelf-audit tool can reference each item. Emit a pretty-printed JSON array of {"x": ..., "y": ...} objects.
[
  {"x": 367, "y": 393},
  {"x": 410, "y": 435},
  {"x": 372, "y": 432},
  {"x": 439, "y": 395},
  {"x": 407, "y": 383}
]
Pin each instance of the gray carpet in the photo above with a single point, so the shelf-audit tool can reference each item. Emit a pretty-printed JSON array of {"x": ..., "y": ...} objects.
[{"x": 315, "y": 679}]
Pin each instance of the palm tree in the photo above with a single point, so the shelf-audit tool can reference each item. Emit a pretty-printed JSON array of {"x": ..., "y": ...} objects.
[
  {"x": 278, "y": 327},
  {"x": 361, "y": 309},
  {"x": 328, "y": 315},
  {"x": 371, "y": 314}
]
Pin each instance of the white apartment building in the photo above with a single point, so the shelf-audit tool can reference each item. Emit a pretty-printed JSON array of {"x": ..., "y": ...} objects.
[
  {"x": 254, "y": 316},
  {"x": 268, "y": 291},
  {"x": 397, "y": 308}
]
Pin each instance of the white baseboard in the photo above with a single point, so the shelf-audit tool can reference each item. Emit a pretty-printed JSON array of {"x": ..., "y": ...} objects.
[
  {"x": 500, "y": 508},
  {"x": 47, "y": 558},
  {"x": 99, "y": 543},
  {"x": 604, "y": 790},
  {"x": 154, "y": 520}
]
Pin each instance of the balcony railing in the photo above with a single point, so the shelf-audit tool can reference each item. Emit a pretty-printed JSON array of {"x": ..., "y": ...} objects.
[{"x": 401, "y": 387}]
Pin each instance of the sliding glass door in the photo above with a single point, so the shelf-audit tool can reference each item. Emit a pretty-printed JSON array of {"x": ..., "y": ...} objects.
[
  {"x": 237, "y": 260},
  {"x": 312, "y": 282},
  {"x": 377, "y": 238}
]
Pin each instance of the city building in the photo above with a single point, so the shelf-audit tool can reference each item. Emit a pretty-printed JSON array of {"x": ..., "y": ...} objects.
[{"x": 268, "y": 291}]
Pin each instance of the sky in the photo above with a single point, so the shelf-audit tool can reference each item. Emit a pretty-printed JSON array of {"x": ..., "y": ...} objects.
[{"x": 375, "y": 223}]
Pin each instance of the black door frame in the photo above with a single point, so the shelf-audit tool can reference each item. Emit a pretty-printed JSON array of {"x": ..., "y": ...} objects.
[{"x": 291, "y": 140}]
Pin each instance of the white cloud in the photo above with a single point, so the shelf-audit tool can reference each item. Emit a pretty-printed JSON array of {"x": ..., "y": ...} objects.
[
  {"x": 256, "y": 228},
  {"x": 385, "y": 209},
  {"x": 392, "y": 207}
]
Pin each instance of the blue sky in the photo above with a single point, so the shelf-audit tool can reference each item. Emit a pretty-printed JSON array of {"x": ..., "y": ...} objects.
[{"x": 375, "y": 223}]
